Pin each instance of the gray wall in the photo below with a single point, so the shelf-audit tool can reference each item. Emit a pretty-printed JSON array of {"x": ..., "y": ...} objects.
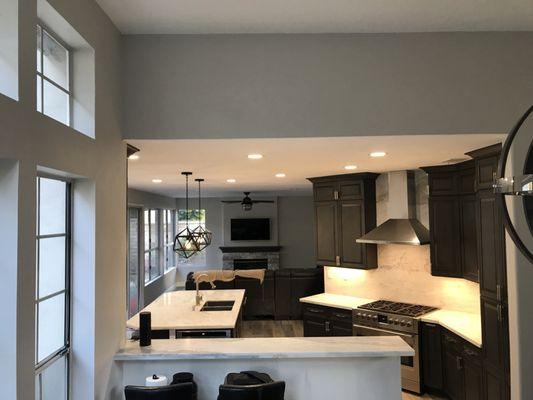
[
  {"x": 294, "y": 229},
  {"x": 168, "y": 280},
  {"x": 214, "y": 86},
  {"x": 296, "y": 232},
  {"x": 98, "y": 168}
]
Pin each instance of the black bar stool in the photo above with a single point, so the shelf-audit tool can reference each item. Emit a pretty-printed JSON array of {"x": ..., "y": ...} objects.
[
  {"x": 251, "y": 385},
  {"x": 180, "y": 391}
]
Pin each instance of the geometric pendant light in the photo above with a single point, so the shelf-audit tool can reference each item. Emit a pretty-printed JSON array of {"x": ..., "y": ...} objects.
[
  {"x": 204, "y": 236},
  {"x": 186, "y": 243}
]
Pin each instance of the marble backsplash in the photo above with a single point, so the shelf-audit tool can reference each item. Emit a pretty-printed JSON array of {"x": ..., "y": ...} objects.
[{"x": 404, "y": 274}]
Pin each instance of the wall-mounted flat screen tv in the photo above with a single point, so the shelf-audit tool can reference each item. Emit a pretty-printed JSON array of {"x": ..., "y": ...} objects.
[{"x": 250, "y": 229}]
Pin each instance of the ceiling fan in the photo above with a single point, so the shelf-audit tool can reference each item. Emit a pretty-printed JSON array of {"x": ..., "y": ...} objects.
[{"x": 246, "y": 203}]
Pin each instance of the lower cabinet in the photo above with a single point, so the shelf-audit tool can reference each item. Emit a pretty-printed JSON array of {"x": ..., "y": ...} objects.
[
  {"x": 451, "y": 365},
  {"x": 326, "y": 321}
]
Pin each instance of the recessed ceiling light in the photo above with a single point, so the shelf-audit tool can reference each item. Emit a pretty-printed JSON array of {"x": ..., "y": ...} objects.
[
  {"x": 350, "y": 167},
  {"x": 255, "y": 156},
  {"x": 231, "y": 180},
  {"x": 133, "y": 157},
  {"x": 157, "y": 180},
  {"x": 280, "y": 175},
  {"x": 376, "y": 154}
]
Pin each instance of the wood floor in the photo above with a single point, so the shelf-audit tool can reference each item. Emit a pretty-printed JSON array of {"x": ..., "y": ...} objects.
[{"x": 272, "y": 329}]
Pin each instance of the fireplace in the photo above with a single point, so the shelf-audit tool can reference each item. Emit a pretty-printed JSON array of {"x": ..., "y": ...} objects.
[
  {"x": 250, "y": 263},
  {"x": 250, "y": 257}
]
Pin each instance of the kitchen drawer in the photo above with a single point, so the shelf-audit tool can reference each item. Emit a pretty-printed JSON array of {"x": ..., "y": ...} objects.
[
  {"x": 312, "y": 311},
  {"x": 452, "y": 342},
  {"x": 341, "y": 315}
]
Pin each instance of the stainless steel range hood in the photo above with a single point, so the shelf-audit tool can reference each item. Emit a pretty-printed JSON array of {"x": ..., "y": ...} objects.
[{"x": 403, "y": 228}]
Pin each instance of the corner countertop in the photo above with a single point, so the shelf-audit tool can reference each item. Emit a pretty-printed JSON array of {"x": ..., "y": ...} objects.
[
  {"x": 463, "y": 324},
  {"x": 176, "y": 310},
  {"x": 336, "y": 300},
  {"x": 266, "y": 348}
]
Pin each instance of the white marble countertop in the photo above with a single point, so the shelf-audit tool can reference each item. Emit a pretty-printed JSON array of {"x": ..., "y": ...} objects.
[
  {"x": 335, "y": 300},
  {"x": 463, "y": 324},
  {"x": 254, "y": 348},
  {"x": 176, "y": 310}
]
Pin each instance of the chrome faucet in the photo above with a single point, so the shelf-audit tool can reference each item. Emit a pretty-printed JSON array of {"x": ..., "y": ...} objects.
[{"x": 198, "y": 295}]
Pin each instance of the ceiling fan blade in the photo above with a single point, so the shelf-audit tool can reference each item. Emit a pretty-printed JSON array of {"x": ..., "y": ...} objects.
[
  {"x": 262, "y": 201},
  {"x": 231, "y": 201}
]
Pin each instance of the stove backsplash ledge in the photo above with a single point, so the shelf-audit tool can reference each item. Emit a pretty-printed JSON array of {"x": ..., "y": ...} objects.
[{"x": 404, "y": 274}]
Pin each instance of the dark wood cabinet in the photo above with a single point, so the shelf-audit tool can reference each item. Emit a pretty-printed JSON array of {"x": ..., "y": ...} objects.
[
  {"x": 345, "y": 209},
  {"x": 431, "y": 356},
  {"x": 351, "y": 226},
  {"x": 491, "y": 251},
  {"x": 326, "y": 232},
  {"x": 468, "y": 229},
  {"x": 451, "y": 365},
  {"x": 452, "y": 215},
  {"x": 326, "y": 321},
  {"x": 494, "y": 327},
  {"x": 473, "y": 380},
  {"x": 453, "y": 376},
  {"x": 445, "y": 236}
]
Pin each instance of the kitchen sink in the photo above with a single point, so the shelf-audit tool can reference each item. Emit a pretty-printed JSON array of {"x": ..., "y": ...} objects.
[{"x": 222, "y": 305}]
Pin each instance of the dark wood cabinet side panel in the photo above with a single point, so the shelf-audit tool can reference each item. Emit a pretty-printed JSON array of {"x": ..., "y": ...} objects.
[
  {"x": 326, "y": 232},
  {"x": 445, "y": 236},
  {"x": 490, "y": 246},
  {"x": 469, "y": 250},
  {"x": 351, "y": 227},
  {"x": 473, "y": 376},
  {"x": 431, "y": 353}
]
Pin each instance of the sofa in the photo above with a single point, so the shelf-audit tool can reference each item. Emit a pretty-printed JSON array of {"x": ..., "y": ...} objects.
[{"x": 278, "y": 297}]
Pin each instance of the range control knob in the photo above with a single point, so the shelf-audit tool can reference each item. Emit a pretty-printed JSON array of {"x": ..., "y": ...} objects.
[
  {"x": 358, "y": 315},
  {"x": 409, "y": 324},
  {"x": 402, "y": 322},
  {"x": 396, "y": 321},
  {"x": 375, "y": 317}
]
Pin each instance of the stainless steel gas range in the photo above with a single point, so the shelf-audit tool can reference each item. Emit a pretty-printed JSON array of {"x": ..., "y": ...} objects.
[{"x": 388, "y": 318}]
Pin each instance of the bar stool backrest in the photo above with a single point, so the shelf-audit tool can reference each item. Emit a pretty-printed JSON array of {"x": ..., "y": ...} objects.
[
  {"x": 181, "y": 391},
  {"x": 264, "y": 391}
]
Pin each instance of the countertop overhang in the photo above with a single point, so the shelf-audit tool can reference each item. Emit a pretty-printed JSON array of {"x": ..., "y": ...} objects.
[{"x": 266, "y": 348}]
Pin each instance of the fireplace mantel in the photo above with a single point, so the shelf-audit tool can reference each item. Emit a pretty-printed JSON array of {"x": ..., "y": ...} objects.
[{"x": 250, "y": 249}]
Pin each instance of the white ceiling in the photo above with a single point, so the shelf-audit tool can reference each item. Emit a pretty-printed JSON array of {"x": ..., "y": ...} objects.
[
  {"x": 218, "y": 160},
  {"x": 317, "y": 16}
]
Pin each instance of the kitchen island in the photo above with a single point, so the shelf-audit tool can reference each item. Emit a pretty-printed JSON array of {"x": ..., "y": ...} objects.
[
  {"x": 176, "y": 315},
  {"x": 313, "y": 368}
]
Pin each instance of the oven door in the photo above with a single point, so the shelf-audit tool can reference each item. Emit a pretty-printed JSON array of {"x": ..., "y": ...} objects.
[{"x": 410, "y": 365}]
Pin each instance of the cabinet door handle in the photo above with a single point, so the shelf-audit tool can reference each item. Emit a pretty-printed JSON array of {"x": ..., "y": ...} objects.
[
  {"x": 459, "y": 361},
  {"x": 336, "y": 195},
  {"x": 337, "y": 261},
  {"x": 326, "y": 325},
  {"x": 314, "y": 310},
  {"x": 500, "y": 313},
  {"x": 470, "y": 353},
  {"x": 499, "y": 292},
  {"x": 343, "y": 316}
]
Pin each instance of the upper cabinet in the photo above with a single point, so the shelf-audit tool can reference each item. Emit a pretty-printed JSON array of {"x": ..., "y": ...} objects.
[
  {"x": 345, "y": 209},
  {"x": 452, "y": 220}
]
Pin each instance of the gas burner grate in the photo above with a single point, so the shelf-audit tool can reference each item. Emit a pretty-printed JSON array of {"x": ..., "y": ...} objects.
[{"x": 411, "y": 310}]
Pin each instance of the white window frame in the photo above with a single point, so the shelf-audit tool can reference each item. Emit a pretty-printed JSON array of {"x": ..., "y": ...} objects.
[
  {"x": 168, "y": 243},
  {"x": 147, "y": 249},
  {"x": 65, "y": 350},
  {"x": 44, "y": 78}
]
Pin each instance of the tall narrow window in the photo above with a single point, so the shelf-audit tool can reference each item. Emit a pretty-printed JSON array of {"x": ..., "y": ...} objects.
[
  {"x": 134, "y": 261},
  {"x": 151, "y": 245},
  {"x": 53, "y": 77},
  {"x": 169, "y": 232},
  {"x": 52, "y": 301}
]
